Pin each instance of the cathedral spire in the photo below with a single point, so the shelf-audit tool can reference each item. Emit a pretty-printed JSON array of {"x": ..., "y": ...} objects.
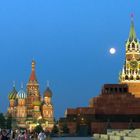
[
  {"x": 33, "y": 65},
  {"x": 33, "y": 76},
  {"x": 132, "y": 33}
]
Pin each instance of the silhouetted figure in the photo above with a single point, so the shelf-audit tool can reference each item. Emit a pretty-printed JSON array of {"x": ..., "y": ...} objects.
[{"x": 4, "y": 135}]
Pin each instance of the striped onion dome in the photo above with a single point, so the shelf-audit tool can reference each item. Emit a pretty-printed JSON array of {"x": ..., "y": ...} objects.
[
  {"x": 21, "y": 94},
  {"x": 13, "y": 94}
]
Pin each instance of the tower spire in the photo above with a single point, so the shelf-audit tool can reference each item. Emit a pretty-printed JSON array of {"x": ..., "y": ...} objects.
[
  {"x": 33, "y": 65},
  {"x": 132, "y": 33},
  {"x": 33, "y": 76}
]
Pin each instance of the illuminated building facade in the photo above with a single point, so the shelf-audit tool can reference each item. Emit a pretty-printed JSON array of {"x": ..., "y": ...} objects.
[
  {"x": 131, "y": 69},
  {"x": 28, "y": 108}
]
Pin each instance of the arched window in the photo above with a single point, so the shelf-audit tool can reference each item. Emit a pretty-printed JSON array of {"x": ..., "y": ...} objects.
[
  {"x": 126, "y": 77},
  {"x": 131, "y": 78},
  {"x": 132, "y": 71},
  {"x": 129, "y": 47},
  {"x": 137, "y": 78},
  {"x": 133, "y": 46}
]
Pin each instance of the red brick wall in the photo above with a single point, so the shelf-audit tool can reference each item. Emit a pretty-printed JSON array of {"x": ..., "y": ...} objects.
[{"x": 134, "y": 88}]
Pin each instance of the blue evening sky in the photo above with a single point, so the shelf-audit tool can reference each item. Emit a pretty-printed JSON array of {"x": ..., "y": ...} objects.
[{"x": 69, "y": 39}]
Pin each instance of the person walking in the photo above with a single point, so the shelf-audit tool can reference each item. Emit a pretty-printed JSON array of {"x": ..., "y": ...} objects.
[
  {"x": 41, "y": 136},
  {"x": 4, "y": 135},
  {"x": 22, "y": 136},
  {"x": 12, "y": 137}
]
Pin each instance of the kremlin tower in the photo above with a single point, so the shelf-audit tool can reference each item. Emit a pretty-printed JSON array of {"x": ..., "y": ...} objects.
[
  {"x": 130, "y": 74},
  {"x": 27, "y": 108}
]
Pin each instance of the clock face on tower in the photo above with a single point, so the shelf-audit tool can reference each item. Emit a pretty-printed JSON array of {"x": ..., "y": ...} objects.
[{"x": 133, "y": 64}]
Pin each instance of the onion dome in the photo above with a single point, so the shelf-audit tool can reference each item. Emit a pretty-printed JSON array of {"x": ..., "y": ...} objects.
[
  {"x": 37, "y": 103},
  {"x": 48, "y": 92},
  {"x": 13, "y": 94},
  {"x": 21, "y": 94}
]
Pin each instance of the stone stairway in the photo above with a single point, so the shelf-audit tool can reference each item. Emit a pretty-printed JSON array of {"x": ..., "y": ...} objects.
[{"x": 119, "y": 135}]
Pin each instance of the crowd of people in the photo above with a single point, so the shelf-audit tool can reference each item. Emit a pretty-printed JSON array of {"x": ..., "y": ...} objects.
[{"x": 22, "y": 135}]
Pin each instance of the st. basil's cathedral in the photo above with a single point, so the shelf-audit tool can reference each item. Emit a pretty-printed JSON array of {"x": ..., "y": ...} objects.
[{"x": 28, "y": 109}]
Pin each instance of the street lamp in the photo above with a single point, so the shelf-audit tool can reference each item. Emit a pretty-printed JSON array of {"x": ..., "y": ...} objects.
[{"x": 38, "y": 120}]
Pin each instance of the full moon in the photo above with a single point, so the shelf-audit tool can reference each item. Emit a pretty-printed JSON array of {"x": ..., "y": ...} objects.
[{"x": 112, "y": 50}]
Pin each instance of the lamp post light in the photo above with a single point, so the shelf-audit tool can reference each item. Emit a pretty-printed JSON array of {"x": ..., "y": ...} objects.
[{"x": 38, "y": 120}]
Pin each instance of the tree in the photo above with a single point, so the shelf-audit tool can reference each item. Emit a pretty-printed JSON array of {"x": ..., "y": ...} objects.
[
  {"x": 65, "y": 128},
  {"x": 55, "y": 129},
  {"x": 2, "y": 121},
  {"x": 9, "y": 122},
  {"x": 38, "y": 129}
]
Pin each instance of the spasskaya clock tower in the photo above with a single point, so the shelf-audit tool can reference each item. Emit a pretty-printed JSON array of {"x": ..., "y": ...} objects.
[{"x": 130, "y": 73}]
